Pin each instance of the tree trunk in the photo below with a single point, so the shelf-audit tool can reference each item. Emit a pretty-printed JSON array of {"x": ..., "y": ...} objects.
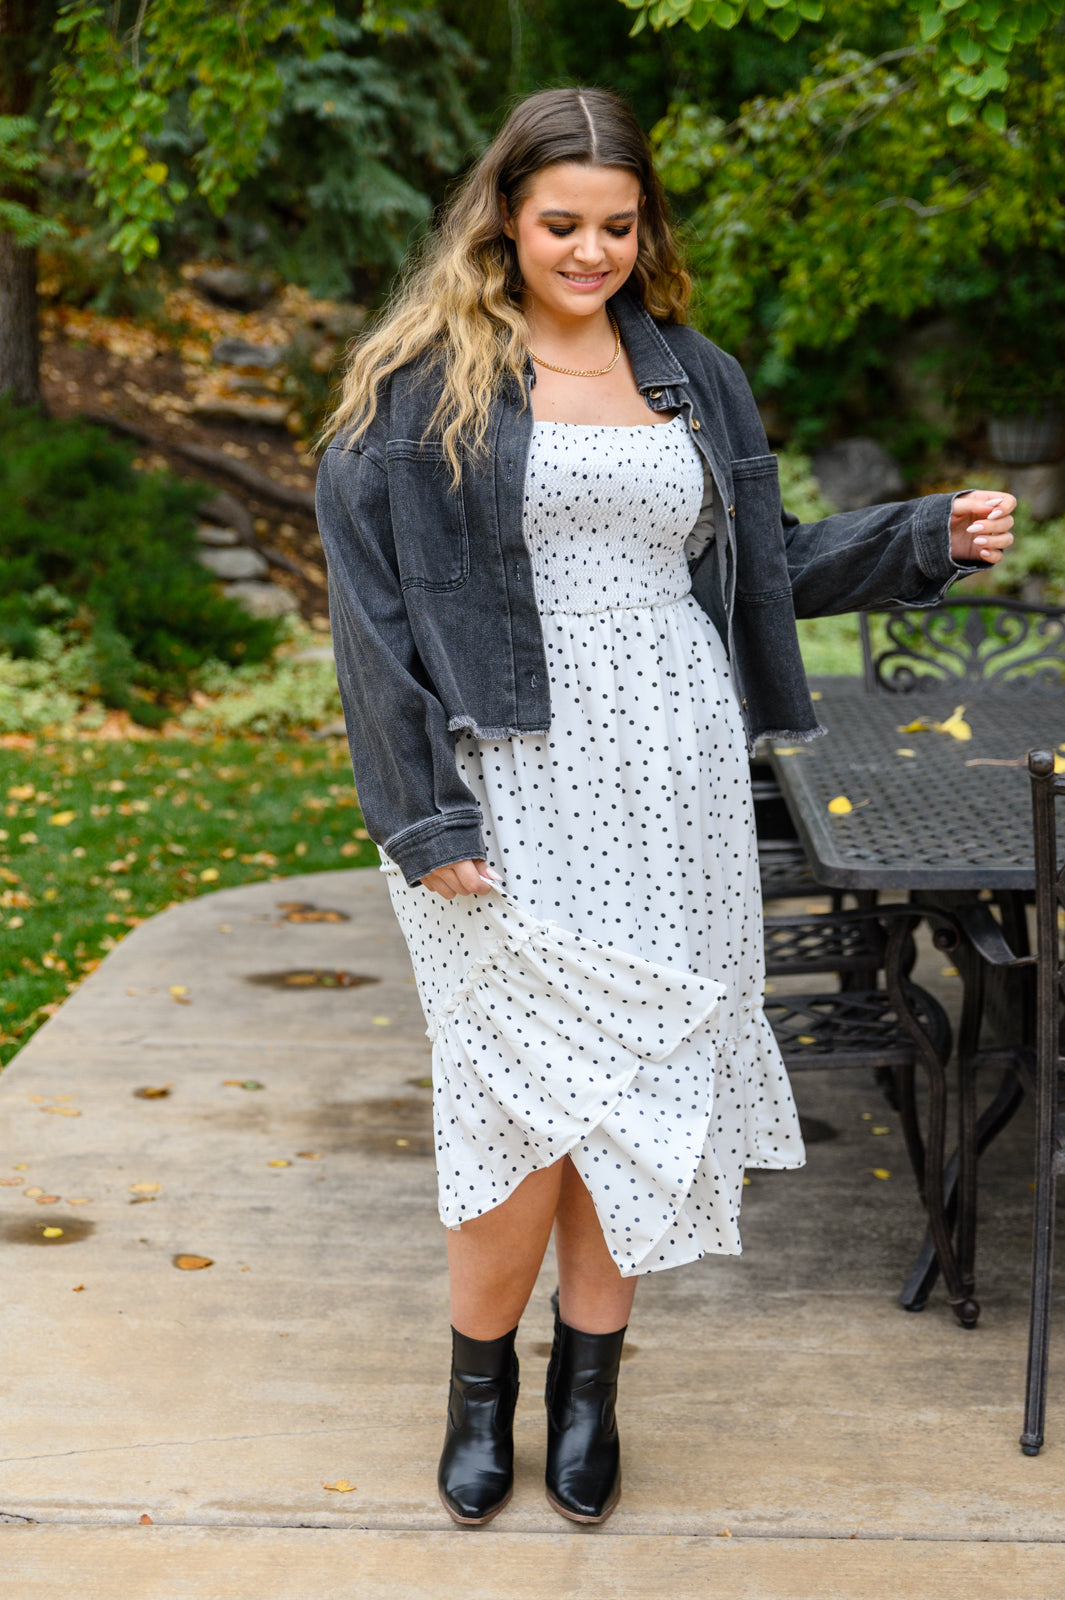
[
  {"x": 20, "y": 340},
  {"x": 20, "y": 345}
]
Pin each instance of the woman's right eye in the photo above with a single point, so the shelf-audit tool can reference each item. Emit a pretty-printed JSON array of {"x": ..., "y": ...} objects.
[{"x": 561, "y": 233}]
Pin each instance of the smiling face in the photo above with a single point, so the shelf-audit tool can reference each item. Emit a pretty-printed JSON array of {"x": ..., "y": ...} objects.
[{"x": 575, "y": 234}]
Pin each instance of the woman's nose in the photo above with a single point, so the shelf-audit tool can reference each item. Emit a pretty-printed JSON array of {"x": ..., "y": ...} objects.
[{"x": 586, "y": 248}]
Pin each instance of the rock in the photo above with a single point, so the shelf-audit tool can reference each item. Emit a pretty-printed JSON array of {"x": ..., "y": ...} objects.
[
  {"x": 1041, "y": 487},
  {"x": 231, "y": 408},
  {"x": 856, "y": 473},
  {"x": 234, "y": 287},
  {"x": 341, "y": 321},
  {"x": 236, "y": 564},
  {"x": 263, "y": 599},
  {"x": 241, "y": 353},
  {"x": 225, "y": 509},
  {"x": 209, "y": 533}
]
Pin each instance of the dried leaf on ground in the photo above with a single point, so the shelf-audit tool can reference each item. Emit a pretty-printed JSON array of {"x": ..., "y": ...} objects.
[
  {"x": 342, "y": 1486},
  {"x": 153, "y": 1093},
  {"x": 840, "y": 806},
  {"x": 192, "y": 1263},
  {"x": 145, "y": 1188},
  {"x": 52, "y": 1233}
]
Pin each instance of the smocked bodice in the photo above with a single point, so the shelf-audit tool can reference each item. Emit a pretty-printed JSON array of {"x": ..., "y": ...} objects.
[{"x": 607, "y": 511}]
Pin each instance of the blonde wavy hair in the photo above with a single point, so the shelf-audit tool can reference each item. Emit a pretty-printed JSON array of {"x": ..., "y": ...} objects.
[{"x": 460, "y": 302}]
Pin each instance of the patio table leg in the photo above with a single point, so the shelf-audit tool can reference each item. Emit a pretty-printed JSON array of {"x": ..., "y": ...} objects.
[
  {"x": 989, "y": 1124},
  {"x": 931, "y": 1054}
]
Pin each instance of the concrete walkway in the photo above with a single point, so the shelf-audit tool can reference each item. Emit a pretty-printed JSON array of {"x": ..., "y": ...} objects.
[{"x": 787, "y": 1431}]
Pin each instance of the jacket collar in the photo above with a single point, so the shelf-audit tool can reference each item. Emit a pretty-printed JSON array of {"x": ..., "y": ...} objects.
[{"x": 653, "y": 363}]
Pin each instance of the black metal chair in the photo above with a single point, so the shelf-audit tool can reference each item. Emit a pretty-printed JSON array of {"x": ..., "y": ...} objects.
[
  {"x": 986, "y": 640},
  {"x": 1040, "y": 1062},
  {"x": 891, "y": 1027}
]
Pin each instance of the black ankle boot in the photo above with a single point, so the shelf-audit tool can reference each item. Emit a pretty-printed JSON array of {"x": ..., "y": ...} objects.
[
  {"x": 583, "y": 1452},
  {"x": 476, "y": 1473}
]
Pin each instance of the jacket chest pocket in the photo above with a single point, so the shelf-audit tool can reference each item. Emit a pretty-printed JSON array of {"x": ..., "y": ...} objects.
[
  {"x": 428, "y": 516},
  {"x": 761, "y": 562}
]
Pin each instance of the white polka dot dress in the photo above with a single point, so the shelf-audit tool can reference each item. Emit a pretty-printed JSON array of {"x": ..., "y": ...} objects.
[{"x": 607, "y": 1004}]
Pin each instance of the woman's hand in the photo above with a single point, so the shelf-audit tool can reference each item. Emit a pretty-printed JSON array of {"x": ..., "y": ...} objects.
[
  {"x": 462, "y": 877},
  {"x": 980, "y": 525}
]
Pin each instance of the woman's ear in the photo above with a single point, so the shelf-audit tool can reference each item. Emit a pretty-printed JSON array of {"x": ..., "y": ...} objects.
[{"x": 508, "y": 221}]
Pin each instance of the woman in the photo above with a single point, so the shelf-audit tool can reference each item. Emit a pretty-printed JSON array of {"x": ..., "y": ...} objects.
[{"x": 564, "y": 598}]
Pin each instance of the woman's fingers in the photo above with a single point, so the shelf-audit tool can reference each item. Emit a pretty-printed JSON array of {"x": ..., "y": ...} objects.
[{"x": 462, "y": 877}]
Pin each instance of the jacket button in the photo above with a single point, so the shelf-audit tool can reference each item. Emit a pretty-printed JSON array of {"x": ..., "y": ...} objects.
[
  {"x": 745, "y": 702},
  {"x": 732, "y": 511},
  {"x": 696, "y": 424},
  {"x": 654, "y": 394}
]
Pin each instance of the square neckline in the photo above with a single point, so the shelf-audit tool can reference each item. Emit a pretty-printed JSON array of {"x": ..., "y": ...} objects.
[{"x": 615, "y": 427}]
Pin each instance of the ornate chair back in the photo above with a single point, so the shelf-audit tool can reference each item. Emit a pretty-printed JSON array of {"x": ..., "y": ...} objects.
[{"x": 995, "y": 642}]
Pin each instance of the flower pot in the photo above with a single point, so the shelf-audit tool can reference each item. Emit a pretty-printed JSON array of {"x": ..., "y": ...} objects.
[{"x": 1023, "y": 441}]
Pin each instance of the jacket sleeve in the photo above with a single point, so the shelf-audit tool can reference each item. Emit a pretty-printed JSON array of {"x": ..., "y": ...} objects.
[
  {"x": 896, "y": 554},
  {"x": 415, "y": 804}
]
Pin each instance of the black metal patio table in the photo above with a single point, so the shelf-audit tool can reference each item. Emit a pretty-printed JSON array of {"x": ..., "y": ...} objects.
[{"x": 943, "y": 818}]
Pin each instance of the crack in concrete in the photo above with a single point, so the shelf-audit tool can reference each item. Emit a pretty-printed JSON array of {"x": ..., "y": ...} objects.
[{"x": 170, "y": 1444}]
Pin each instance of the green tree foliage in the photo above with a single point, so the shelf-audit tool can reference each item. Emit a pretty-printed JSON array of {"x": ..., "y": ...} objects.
[
  {"x": 868, "y": 195},
  {"x": 123, "y": 66},
  {"x": 971, "y": 41},
  {"x": 359, "y": 149}
]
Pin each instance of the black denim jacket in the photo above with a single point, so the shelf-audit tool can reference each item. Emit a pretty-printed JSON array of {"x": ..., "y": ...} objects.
[{"x": 435, "y": 625}]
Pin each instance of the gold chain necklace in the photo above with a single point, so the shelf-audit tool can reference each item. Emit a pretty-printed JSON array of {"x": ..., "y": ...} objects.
[{"x": 597, "y": 372}]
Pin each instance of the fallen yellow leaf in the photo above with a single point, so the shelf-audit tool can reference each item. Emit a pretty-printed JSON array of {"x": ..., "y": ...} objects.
[
  {"x": 192, "y": 1263},
  {"x": 62, "y": 1111},
  {"x": 209, "y": 874},
  {"x": 145, "y": 1188},
  {"x": 52, "y": 1233},
  {"x": 31, "y": 1194},
  {"x": 82, "y": 1200},
  {"x": 1059, "y": 763},
  {"x": 60, "y": 819},
  {"x": 279, "y": 1163},
  {"x": 905, "y": 752},
  {"x": 955, "y": 725},
  {"x": 381, "y": 1022},
  {"x": 881, "y": 1172},
  {"x": 150, "y": 1093},
  {"x": 785, "y": 749},
  {"x": 21, "y": 791},
  {"x": 918, "y": 726},
  {"x": 806, "y": 1038},
  {"x": 342, "y": 1486},
  {"x": 305, "y": 1155},
  {"x": 840, "y": 806},
  {"x": 880, "y": 1130},
  {"x": 178, "y": 989}
]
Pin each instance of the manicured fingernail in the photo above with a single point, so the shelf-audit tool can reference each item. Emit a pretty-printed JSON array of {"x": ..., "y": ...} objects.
[
  {"x": 976, "y": 527},
  {"x": 981, "y": 541}
]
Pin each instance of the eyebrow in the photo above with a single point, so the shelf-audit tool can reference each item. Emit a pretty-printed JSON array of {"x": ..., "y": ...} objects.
[{"x": 578, "y": 216}]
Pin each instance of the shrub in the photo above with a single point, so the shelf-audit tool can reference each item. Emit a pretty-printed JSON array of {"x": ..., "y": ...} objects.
[{"x": 105, "y": 556}]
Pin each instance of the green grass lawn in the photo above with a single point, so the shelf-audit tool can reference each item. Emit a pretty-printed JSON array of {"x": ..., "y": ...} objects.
[{"x": 96, "y": 836}]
